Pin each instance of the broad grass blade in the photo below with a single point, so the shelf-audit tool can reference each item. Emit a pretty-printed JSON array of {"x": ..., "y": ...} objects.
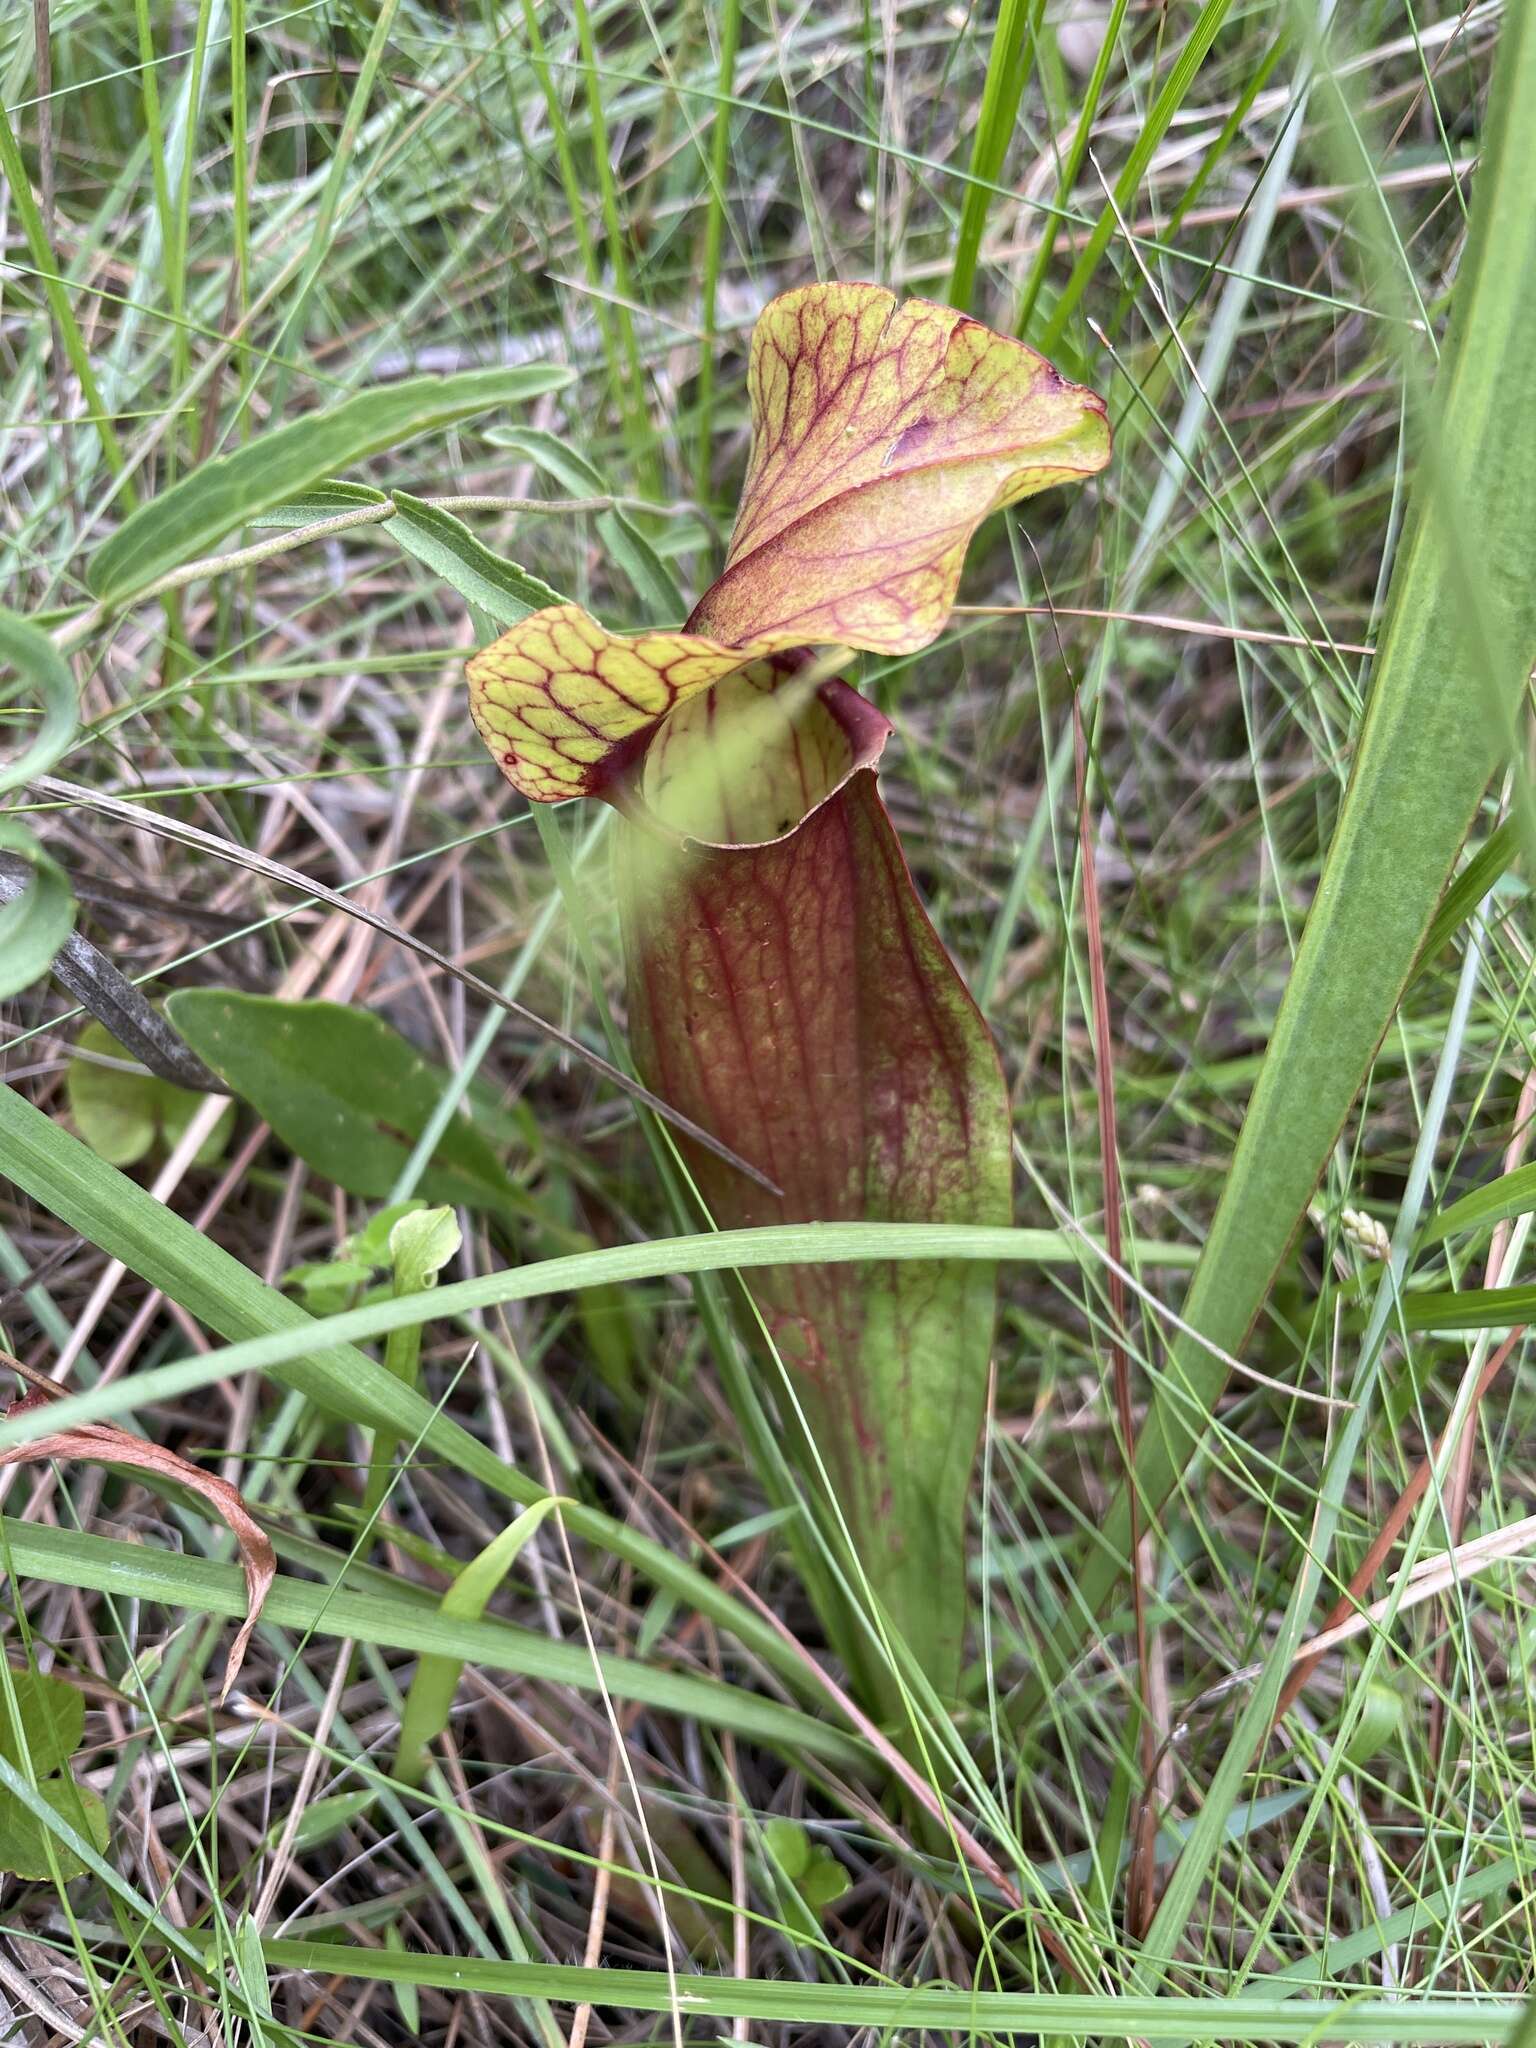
[{"x": 1456, "y": 650}]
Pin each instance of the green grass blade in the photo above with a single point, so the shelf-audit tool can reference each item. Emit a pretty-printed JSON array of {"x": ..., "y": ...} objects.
[
  {"x": 1512, "y": 1194},
  {"x": 178, "y": 221},
  {"x": 1492, "y": 861},
  {"x": 67, "y": 1557},
  {"x": 126, "y": 1221},
  {"x": 1007, "y": 69},
  {"x": 1174, "y": 91},
  {"x": 881, "y": 2004},
  {"x": 197, "y": 512},
  {"x": 1422, "y": 762},
  {"x": 1070, "y": 171},
  {"x": 1474, "y": 1308},
  {"x": 14, "y": 172},
  {"x": 714, "y": 237},
  {"x": 323, "y": 230},
  {"x": 366, "y": 1393},
  {"x": 632, "y": 377}
]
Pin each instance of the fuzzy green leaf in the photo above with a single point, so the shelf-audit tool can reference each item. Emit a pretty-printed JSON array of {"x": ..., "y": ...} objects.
[
  {"x": 44, "y": 1725},
  {"x": 24, "y": 1839},
  {"x": 232, "y": 490},
  {"x": 493, "y": 585},
  {"x": 345, "y": 1091},
  {"x": 123, "y": 1116}
]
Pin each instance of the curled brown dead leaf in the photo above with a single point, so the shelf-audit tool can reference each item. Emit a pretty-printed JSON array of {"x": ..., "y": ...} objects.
[{"x": 104, "y": 1443}]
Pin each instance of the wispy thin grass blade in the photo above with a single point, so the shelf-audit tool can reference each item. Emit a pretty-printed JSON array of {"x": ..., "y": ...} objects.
[
  {"x": 714, "y": 238},
  {"x": 1174, "y": 91},
  {"x": 1077, "y": 151},
  {"x": 46, "y": 271},
  {"x": 1460, "y": 628}
]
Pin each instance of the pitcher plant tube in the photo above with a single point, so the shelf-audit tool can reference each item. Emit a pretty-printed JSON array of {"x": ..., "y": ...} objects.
[{"x": 785, "y": 986}]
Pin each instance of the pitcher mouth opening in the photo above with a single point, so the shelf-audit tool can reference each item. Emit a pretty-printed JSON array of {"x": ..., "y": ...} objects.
[{"x": 750, "y": 759}]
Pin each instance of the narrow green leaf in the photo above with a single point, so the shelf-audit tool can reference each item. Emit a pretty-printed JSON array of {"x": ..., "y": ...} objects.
[
  {"x": 233, "y": 489},
  {"x": 321, "y": 501},
  {"x": 495, "y": 586},
  {"x": 324, "y": 1818},
  {"x": 251, "y": 1969},
  {"x": 1523, "y": 2033},
  {"x": 429, "y": 1702},
  {"x": 728, "y": 29},
  {"x": 1493, "y": 859},
  {"x": 1474, "y": 1308},
  {"x": 879, "y": 2003},
  {"x": 1429, "y": 1916},
  {"x": 406, "y": 1998},
  {"x": 1512, "y": 1194},
  {"x": 1381, "y": 1719},
  {"x": 44, "y": 678},
  {"x": 47, "y": 269}
]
